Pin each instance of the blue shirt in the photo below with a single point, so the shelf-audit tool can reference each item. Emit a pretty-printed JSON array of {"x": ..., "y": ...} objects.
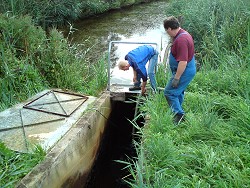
[{"x": 138, "y": 59}]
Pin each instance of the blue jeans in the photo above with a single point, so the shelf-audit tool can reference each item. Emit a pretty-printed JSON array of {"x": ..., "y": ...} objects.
[
  {"x": 175, "y": 96},
  {"x": 152, "y": 68}
]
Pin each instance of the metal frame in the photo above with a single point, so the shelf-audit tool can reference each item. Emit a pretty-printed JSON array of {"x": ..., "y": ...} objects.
[
  {"x": 121, "y": 42},
  {"x": 82, "y": 97}
]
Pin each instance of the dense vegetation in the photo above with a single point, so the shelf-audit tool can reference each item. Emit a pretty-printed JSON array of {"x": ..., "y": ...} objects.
[
  {"x": 211, "y": 148},
  {"x": 32, "y": 60},
  {"x": 48, "y": 12},
  {"x": 15, "y": 165}
]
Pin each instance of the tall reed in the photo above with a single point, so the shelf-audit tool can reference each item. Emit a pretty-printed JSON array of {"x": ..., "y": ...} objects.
[
  {"x": 31, "y": 61},
  {"x": 49, "y": 13}
]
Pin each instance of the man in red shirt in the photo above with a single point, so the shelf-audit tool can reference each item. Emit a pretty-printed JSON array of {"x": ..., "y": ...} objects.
[{"x": 182, "y": 64}]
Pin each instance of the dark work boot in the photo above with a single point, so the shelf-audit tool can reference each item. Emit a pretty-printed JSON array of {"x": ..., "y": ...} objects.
[
  {"x": 178, "y": 118},
  {"x": 134, "y": 88}
]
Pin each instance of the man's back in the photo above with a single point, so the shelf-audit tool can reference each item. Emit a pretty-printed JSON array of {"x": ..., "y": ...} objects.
[{"x": 141, "y": 54}]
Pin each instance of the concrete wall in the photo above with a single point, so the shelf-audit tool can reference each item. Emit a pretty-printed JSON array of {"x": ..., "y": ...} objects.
[{"x": 69, "y": 162}]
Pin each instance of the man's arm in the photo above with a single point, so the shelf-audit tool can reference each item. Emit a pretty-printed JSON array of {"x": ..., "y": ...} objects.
[
  {"x": 143, "y": 87},
  {"x": 181, "y": 68},
  {"x": 135, "y": 76}
]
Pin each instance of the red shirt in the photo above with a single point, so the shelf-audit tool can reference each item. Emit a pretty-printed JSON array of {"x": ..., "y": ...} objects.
[{"x": 183, "y": 46}]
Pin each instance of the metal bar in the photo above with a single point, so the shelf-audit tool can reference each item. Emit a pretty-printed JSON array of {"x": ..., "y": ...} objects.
[
  {"x": 108, "y": 86},
  {"x": 70, "y": 93},
  {"x": 24, "y": 135},
  {"x": 54, "y": 113},
  {"x": 84, "y": 98},
  {"x": 59, "y": 103},
  {"x": 121, "y": 42},
  {"x": 28, "y": 106},
  {"x": 56, "y": 102},
  {"x": 75, "y": 94},
  {"x": 38, "y": 98},
  {"x": 77, "y": 107},
  {"x": 32, "y": 124}
]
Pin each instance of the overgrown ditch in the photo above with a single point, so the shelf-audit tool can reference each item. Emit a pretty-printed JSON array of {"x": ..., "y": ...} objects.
[{"x": 117, "y": 144}]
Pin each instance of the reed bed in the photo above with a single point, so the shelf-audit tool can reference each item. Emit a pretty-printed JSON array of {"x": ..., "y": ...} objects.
[{"x": 211, "y": 148}]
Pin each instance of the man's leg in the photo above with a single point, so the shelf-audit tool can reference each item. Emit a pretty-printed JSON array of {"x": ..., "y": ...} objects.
[
  {"x": 175, "y": 97},
  {"x": 152, "y": 66},
  {"x": 172, "y": 96},
  {"x": 138, "y": 81},
  {"x": 181, "y": 98}
]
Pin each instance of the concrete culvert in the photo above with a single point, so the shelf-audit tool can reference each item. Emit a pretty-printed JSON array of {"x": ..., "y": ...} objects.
[
  {"x": 117, "y": 144},
  {"x": 85, "y": 156}
]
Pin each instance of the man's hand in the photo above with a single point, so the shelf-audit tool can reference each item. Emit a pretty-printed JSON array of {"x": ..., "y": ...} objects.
[
  {"x": 143, "y": 90},
  {"x": 175, "y": 83},
  {"x": 143, "y": 87},
  {"x": 181, "y": 68}
]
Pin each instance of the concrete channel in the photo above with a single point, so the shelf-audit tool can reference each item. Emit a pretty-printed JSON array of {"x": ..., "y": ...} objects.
[
  {"x": 76, "y": 159},
  {"x": 69, "y": 161},
  {"x": 82, "y": 136}
]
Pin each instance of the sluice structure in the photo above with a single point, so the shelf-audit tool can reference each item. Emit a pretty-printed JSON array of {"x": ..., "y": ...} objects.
[{"x": 69, "y": 126}]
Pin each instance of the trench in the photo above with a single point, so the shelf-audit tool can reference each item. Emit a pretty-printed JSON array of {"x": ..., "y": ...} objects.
[
  {"x": 86, "y": 156},
  {"x": 117, "y": 144}
]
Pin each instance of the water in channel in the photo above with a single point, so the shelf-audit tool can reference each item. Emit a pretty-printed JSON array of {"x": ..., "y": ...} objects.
[{"x": 137, "y": 23}]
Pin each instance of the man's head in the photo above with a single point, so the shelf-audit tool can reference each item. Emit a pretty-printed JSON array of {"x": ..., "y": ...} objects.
[
  {"x": 123, "y": 65},
  {"x": 171, "y": 25}
]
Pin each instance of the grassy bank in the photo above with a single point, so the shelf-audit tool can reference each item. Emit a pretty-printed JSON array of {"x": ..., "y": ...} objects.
[
  {"x": 211, "y": 148},
  {"x": 32, "y": 60},
  {"x": 58, "y": 12},
  {"x": 13, "y": 167}
]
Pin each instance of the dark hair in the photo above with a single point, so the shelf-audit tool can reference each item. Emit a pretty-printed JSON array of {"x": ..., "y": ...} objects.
[{"x": 171, "y": 22}]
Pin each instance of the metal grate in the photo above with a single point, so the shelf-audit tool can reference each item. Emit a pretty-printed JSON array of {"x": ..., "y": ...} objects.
[{"x": 57, "y": 103}]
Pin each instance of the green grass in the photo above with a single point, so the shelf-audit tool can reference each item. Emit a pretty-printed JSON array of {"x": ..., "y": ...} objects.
[
  {"x": 15, "y": 165},
  {"x": 48, "y": 13},
  {"x": 211, "y": 148},
  {"x": 31, "y": 61}
]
